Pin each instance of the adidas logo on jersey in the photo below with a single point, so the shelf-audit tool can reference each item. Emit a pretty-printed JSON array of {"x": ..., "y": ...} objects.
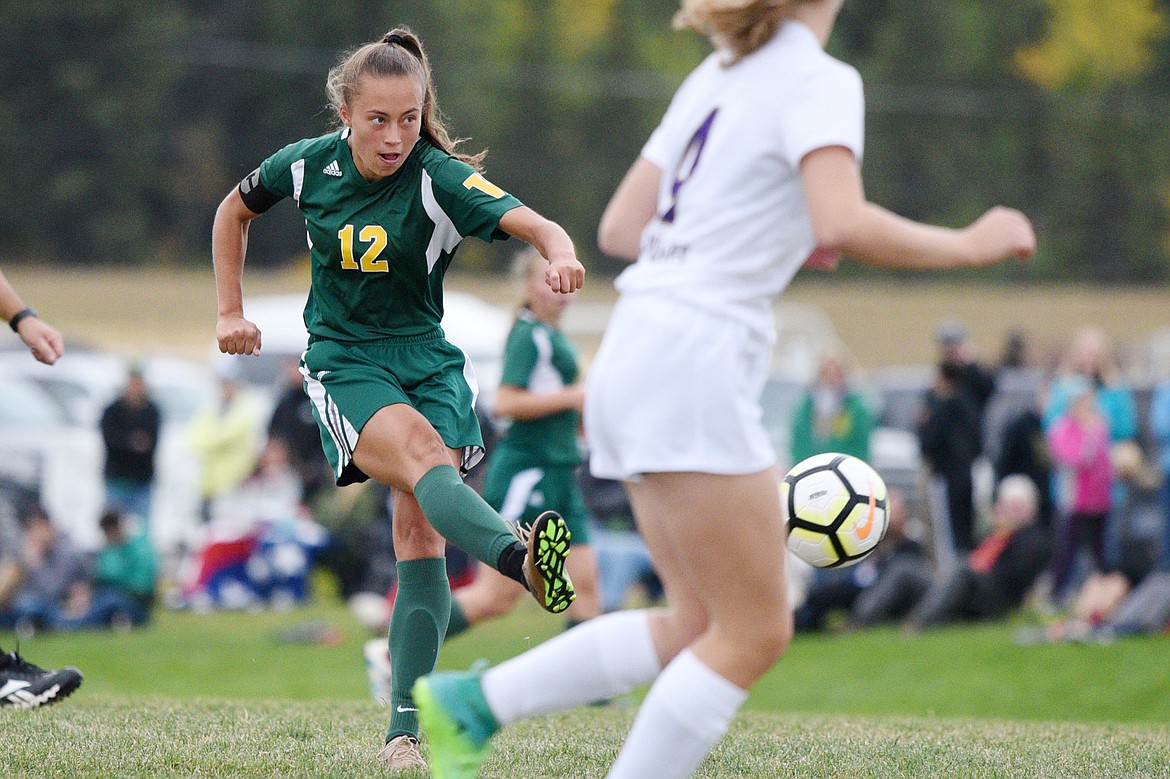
[{"x": 332, "y": 169}]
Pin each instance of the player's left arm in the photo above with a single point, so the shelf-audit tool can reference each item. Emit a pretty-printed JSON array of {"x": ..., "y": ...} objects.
[
  {"x": 565, "y": 272},
  {"x": 630, "y": 209}
]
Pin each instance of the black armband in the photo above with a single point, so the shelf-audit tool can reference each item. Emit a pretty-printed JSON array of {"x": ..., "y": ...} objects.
[
  {"x": 19, "y": 317},
  {"x": 255, "y": 196}
]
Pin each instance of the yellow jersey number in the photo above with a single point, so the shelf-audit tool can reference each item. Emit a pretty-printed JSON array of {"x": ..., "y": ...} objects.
[{"x": 375, "y": 236}]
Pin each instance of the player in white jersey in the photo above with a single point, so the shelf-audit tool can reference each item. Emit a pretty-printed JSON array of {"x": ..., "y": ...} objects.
[{"x": 754, "y": 171}]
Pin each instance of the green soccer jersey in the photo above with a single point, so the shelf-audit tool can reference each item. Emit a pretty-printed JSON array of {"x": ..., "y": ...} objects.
[
  {"x": 539, "y": 358},
  {"x": 380, "y": 249}
]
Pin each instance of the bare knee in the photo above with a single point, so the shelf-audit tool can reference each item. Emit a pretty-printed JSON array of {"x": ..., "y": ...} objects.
[
  {"x": 761, "y": 643},
  {"x": 398, "y": 445},
  {"x": 675, "y": 629}
]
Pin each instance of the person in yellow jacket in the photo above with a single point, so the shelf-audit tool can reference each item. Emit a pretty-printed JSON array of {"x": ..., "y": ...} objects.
[{"x": 226, "y": 436}]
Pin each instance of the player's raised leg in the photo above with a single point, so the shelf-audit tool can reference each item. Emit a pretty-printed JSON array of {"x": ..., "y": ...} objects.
[{"x": 399, "y": 447}]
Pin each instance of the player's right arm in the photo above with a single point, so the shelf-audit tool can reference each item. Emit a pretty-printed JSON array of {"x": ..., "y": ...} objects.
[
  {"x": 844, "y": 221},
  {"x": 229, "y": 244}
]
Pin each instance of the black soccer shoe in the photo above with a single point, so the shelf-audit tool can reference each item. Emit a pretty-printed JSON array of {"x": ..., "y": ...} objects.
[{"x": 27, "y": 686}]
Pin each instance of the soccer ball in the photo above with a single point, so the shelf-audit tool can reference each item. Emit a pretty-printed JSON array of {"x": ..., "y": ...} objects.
[{"x": 835, "y": 505}]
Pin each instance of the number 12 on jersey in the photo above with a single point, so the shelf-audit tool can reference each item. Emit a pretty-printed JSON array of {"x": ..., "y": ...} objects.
[{"x": 375, "y": 236}]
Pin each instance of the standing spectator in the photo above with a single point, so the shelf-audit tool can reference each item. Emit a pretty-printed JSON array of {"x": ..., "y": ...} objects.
[
  {"x": 42, "y": 339},
  {"x": 995, "y": 577},
  {"x": 1090, "y": 359},
  {"x": 130, "y": 428},
  {"x": 125, "y": 574},
  {"x": 293, "y": 423},
  {"x": 832, "y": 417},
  {"x": 948, "y": 433},
  {"x": 1160, "y": 427},
  {"x": 972, "y": 379},
  {"x": 1079, "y": 440},
  {"x": 226, "y": 436}
]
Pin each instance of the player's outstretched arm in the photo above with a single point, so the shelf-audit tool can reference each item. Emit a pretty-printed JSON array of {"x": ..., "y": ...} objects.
[
  {"x": 229, "y": 244},
  {"x": 631, "y": 208},
  {"x": 565, "y": 272},
  {"x": 42, "y": 339},
  {"x": 844, "y": 221}
]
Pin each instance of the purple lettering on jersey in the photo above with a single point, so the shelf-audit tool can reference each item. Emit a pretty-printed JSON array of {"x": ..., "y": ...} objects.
[{"x": 688, "y": 163}]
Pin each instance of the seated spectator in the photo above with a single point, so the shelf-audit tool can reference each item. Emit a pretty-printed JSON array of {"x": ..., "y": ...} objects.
[
  {"x": 54, "y": 577},
  {"x": 260, "y": 542},
  {"x": 1125, "y": 597},
  {"x": 124, "y": 580},
  {"x": 842, "y": 589},
  {"x": 997, "y": 575}
]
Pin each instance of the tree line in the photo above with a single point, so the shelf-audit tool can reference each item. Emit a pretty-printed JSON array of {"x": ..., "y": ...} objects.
[{"x": 125, "y": 123}]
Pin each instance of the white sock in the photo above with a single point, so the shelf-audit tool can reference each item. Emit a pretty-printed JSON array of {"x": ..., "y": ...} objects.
[
  {"x": 606, "y": 656},
  {"x": 684, "y": 715}
]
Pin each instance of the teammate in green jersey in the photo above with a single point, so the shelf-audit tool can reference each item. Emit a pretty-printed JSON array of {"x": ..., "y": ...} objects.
[
  {"x": 386, "y": 201},
  {"x": 533, "y": 467}
]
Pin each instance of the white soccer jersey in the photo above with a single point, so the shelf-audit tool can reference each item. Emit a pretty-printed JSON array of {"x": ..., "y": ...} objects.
[{"x": 732, "y": 227}]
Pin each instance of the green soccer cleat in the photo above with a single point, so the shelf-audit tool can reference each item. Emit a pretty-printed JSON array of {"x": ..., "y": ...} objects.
[
  {"x": 457, "y": 722},
  {"x": 544, "y": 567}
]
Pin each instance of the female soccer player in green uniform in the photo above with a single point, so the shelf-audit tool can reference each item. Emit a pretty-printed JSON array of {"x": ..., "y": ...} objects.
[{"x": 386, "y": 201}]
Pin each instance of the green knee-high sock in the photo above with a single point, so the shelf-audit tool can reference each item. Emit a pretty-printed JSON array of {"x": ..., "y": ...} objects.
[
  {"x": 458, "y": 622},
  {"x": 418, "y": 624},
  {"x": 465, "y": 519}
]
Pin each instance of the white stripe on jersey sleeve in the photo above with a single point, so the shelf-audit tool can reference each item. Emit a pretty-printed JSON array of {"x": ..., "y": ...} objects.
[
  {"x": 545, "y": 377},
  {"x": 298, "y": 177},
  {"x": 446, "y": 237}
]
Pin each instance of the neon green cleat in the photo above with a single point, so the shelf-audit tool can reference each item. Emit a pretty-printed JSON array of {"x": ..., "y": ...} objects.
[
  {"x": 544, "y": 568},
  {"x": 457, "y": 722}
]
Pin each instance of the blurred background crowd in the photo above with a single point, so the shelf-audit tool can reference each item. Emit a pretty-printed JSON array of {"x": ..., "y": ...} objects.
[{"x": 1027, "y": 480}]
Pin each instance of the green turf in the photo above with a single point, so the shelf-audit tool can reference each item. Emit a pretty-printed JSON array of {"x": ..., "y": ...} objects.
[{"x": 226, "y": 695}]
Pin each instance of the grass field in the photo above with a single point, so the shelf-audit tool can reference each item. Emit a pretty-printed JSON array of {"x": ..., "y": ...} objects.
[
  {"x": 224, "y": 695},
  {"x": 889, "y": 323}
]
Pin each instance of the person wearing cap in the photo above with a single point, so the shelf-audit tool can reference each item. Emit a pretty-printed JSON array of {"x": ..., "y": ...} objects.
[
  {"x": 957, "y": 351},
  {"x": 950, "y": 433}
]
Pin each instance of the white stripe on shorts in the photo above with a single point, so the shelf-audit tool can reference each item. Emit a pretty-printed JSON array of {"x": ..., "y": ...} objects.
[
  {"x": 519, "y": 491},
  {"x": 340, "y": 430}
]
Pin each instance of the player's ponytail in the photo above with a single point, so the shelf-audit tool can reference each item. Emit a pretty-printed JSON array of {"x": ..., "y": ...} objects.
[
  {"x": 740, "y": 26},
  {"x": 398, "y": 53}
]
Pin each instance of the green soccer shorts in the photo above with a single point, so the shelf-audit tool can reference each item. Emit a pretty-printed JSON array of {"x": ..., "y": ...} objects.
[{"x": 349, "y": 382}]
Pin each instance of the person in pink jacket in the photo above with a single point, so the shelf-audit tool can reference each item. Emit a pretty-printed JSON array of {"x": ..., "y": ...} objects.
[{"x": 1079, "y": 442}]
